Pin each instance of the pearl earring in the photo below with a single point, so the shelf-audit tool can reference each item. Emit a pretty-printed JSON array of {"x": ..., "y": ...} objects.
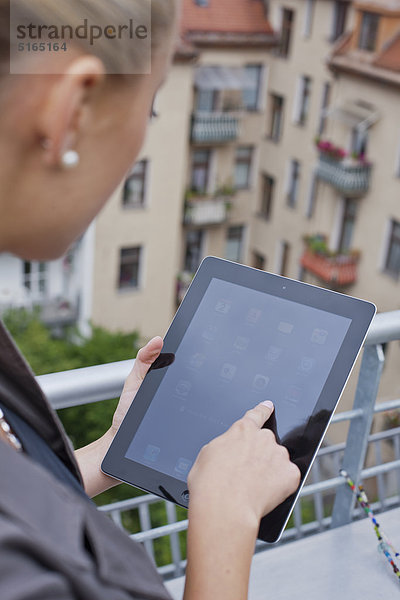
[{"x": 70, "y": 159}]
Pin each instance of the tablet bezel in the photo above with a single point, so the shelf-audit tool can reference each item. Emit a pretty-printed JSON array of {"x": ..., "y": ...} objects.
[{"x": 359, "y": 311}]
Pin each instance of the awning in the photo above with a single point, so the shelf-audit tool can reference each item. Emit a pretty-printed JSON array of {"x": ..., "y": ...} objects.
[
  {"x": 222, "y": 78},
  {"x": 354, "y": 115}
]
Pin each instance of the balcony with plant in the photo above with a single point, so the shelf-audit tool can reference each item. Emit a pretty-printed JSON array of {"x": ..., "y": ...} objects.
[
  {"x": 208, "y": 209},
  {"x": 348, "y": 173},
  {"x": 334, "y": 268}
]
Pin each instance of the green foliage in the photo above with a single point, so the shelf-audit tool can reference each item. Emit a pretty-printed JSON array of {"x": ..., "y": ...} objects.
[{"x": 87, "y": 423}]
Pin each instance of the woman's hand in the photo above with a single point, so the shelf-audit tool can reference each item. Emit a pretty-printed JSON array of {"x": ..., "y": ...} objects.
[
  {"x": 90, "y": 457},
  {"x": 144, "y": 359},
  {"x": 244, "y": 470},
  {"x": 237, "y": 478}
]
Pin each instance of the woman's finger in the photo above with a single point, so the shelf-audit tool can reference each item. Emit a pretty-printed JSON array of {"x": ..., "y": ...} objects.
[
  {"x": 144, "y": 359},
  {"x": 260, "y": 413}
]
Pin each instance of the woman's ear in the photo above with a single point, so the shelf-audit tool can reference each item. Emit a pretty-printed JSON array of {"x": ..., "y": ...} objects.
[{"x": 65, "y": 108}]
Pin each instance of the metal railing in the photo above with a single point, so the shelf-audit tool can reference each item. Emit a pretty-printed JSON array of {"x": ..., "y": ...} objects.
[
  {"x": 324, "y": 490},
  {"x": 206, "y": 211},
  {"x": 215, "y": 128},
  {"x": 350, "y": 180}
]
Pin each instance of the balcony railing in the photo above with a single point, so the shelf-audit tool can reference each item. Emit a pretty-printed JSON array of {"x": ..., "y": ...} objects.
[
  {"x": 206, "y": 211},
  {"x": 214, "y": 128},
  {"x": 59, "y": 312},
  {"x": 339, "y": 270},
  {"x": 351, "y": 180},
  {"x": 92, "y": 384}
]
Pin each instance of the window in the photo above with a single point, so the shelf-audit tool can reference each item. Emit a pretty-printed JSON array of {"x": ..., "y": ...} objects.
[
  {"x": 243, "y": 167},
  {"x": 326, "y": 95},
  {"x": 201, "y": 2},
  {"x": 277, "y": 105},
  {"x": 359, "y": 141},
  {"x": 340, "y": 10},
  {"x": 259, "y": 261},
  {"x": 267, "y": 196},
  {"x": 293, "y": 183},
  {"x": 392, "y": 263},
  {"x": 286, "y": 32},
  {"x": 308, "y": 18},
  {"x": 284, "y": 258},
  {"x": 129, "y": 268},
  {"x": 135, "y": 186},
  {"x": 35, "y": 279},
  {"x": 303, "y": 100},
  {"x": 397, "y": 164},
  {"x": 347, "y": 225},
  {"x": 368, "y": 31},
  {"x": 193, "y": 250},
  {"x": 200, "y": 170},
  {"x": 312, "y": 195},
  {"x": 251, "y": 93},
  {"x": 234, "y": 242},
  {"x": 206, "y": 100}
]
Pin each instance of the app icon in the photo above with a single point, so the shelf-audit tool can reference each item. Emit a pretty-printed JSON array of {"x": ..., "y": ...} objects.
[
  {"x": 228, "y": 371},
  {"x": 151, "y": 453},
  {"x": 210, "y": 333},
  {"x": 294, "y": 394},
  {"x": 253, "y": 315},
  {"x": 274, "y": 352},
  {"x": 319, "y": 336},
  {"x": 183, "y": 387},
  {"x": 241, "y": 343},
  {"x": 183, "y": 466},
  {"x": 285, "y": 327},
  {"x": 197, "y": 360},
  {"x": 307, "y": 364},
  {"x": 260, "y": 382},
  {"x": 223, "y": 306}
]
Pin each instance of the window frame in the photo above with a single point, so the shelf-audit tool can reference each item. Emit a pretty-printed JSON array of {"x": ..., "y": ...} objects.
[
  {"x": 293, "y": 183},
  {"x": 286, "y": 33},
  {"x": 393, "y": 241},
  {"x": 240, "y": 239},
  {"x": 248, "y": 161},
  {"x": 268, "y": 183},
  {"x": 339, "y": 20},
  {"x": 255, "y": 106},
  {"x": 143, "y": 178},
  {"x": 123, "y": 261},
  {"x": 206, "y": 164},
  {"x": 275, "y": 133},
  {"x": 365, "y": 42}
]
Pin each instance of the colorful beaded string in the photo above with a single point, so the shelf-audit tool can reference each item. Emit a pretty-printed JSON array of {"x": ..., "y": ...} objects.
[{"x": 384, "y": 544}]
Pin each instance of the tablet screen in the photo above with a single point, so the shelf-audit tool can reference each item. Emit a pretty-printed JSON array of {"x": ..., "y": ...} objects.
[{"x": 242, "y": 346}]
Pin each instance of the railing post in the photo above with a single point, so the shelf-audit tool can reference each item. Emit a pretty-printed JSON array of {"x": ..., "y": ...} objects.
[{"x": 357, "y": 438}]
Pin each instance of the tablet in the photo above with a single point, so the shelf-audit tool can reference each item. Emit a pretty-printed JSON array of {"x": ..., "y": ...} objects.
[{"x": 240, "y": 336}]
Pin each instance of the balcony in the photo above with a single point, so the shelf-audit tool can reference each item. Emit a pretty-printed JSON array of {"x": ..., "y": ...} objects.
[
  {"x": 350, "y": 177},
  {"x": 333, "y": 268},
  {"x": 58, "y": 312},
  {"x": 206, "y": 211},
  {"x": 343, "y": 549},
  {"x": 214, "y": 128}
]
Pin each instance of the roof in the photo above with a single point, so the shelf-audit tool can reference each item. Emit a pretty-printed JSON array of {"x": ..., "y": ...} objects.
[
  {"x": 226, "y": 21},
  {"x": 389, "y": 58}
]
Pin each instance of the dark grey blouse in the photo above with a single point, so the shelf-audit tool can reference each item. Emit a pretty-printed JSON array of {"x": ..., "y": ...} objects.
[{"x": 54, "y": 544}]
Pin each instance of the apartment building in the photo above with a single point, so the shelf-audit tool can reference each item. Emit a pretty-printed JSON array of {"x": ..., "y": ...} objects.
[
  {"x": 328, "y": 211},
  {"x": 190, "y": 193}
]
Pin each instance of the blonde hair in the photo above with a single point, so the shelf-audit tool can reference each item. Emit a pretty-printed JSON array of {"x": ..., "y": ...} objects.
[{"x": 119, "y": 56}]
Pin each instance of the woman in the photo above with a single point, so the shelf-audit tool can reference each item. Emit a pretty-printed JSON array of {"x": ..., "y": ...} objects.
[{"x": 66, "y": 142}]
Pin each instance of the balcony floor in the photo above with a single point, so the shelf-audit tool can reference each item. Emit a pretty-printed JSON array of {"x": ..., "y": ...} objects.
[{"x": 341, "y": 563}]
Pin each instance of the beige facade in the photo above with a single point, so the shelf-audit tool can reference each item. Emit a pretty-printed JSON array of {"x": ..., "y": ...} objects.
[
  {"x": 156, "y": 227},
  {"x": 300, "y": 98}
]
